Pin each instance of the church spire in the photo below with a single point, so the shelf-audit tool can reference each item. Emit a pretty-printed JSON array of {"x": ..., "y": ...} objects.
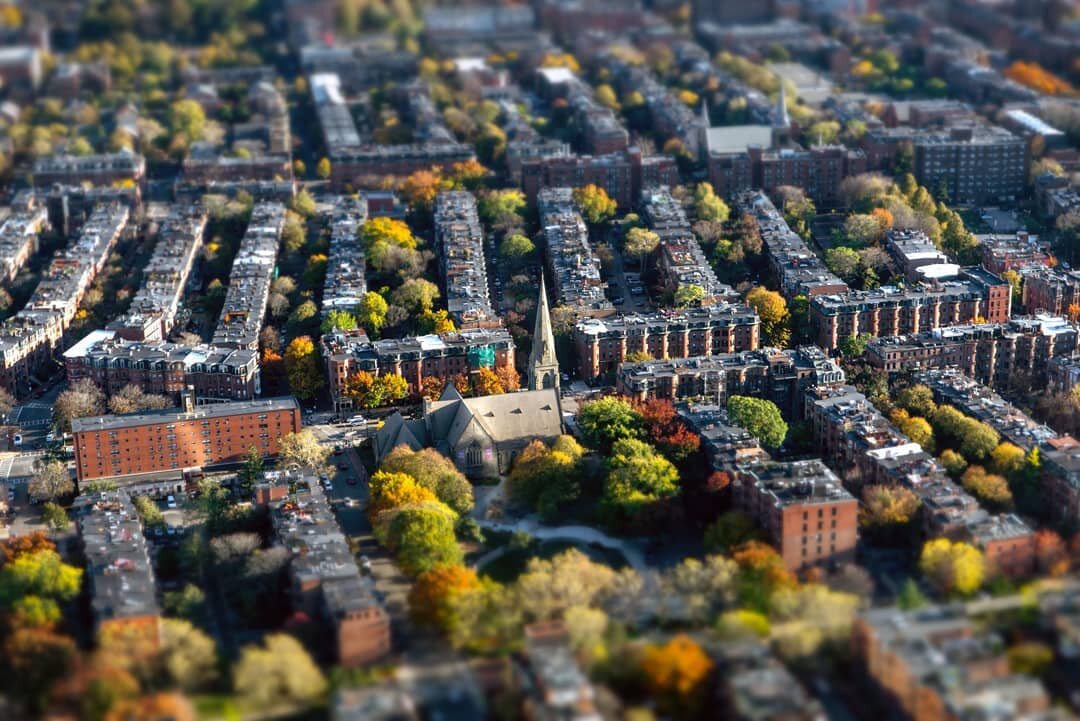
[
  {"x": 543, "y": 364},
  {"x": 780, "y": 115}
]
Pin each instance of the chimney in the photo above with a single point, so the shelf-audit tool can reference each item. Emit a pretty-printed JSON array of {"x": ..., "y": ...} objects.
[{"x": 187, "y": 399}]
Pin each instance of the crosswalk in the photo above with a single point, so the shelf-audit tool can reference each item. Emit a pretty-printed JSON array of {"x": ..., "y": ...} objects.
[{"x": 37, "y": 423}]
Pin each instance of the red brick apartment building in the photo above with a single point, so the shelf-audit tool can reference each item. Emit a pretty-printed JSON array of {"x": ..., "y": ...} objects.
[
  {"x": 804, "y": 509},
  {"x": 602, "y": 344},
  {"x": 175, "y": 439}
]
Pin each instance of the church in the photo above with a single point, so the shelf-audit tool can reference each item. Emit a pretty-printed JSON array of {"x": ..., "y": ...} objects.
[{"x": 483, "y": 436}]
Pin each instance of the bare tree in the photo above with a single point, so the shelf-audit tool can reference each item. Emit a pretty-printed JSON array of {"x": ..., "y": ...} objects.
[
  {"x": 51, "y": 480},
  {"x": 82, "y": 399}
]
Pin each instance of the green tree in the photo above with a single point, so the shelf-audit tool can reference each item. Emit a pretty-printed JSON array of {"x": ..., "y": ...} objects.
[
  {"x": 855, "y": 345},
  {"x": 187, "y": 120},
  {"x": 148, "y": 511},
  {"x": 597, "y": 207},
  {"x": 422, "y": 537},
  {"x": 689, "y": 296},
  {"x": 640, "y": 243},
  {"x": 918, "y": 400},
  {"x": 952, "y": 567},
  {"x": 729, "y": 530},
  {"x": 303, "y": 204},
  {"x": 844, "y": 262},
  {"x": 416, "y": 295},
  {"x": 302, "y": 367},
  {"x": 251, "y": 470},
  {"x": 607, "y": 420},
  {"x": 338, "y": 320},
  {"x": 55, "y": 517},
  {"x": 823, "y": 132},
  {"x": 40, "y": 574},
  {"x": 496, "y": 203},
  {"x": 188, "y": 657},
  {"x": 708, "y": 205},
  {"x": 517, "y": 250},
  {"x": 773, "y": 311},
  {"x": 759, "y": 416},
  {"x": 638, "y": 476},
  {"x": 545, "y": 479},
  {"x": 911, "y": 598},
  {"x": 322, "y": 168},
  {"x": 371, "y": 313},
  {"x": 953, "y": 462},
  {"x": 919, "y": 430}
]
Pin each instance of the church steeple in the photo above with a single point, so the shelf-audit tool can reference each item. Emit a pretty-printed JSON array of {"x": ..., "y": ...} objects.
[
  {"x": 543, "y": 364},
  {"x": 780, "y": 113}
]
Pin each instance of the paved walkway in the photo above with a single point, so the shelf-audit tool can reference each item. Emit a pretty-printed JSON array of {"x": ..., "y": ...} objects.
[{"x": 582, "y": 534}]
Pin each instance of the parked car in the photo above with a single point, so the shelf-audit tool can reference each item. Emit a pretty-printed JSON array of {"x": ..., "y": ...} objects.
[
  {"x": 170, "y": 502},
  {"x": 352, "y": 480}
]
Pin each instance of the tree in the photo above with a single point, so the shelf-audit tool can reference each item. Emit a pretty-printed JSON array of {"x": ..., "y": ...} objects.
[
  {"x": 303, "y": 204},
  {"x": 823, "y": 132},
  {"x": 731, "y": 529},
  {"x": 516, "y": 250},
  {"x": 761, "y": 574},
  {"x": 919, "y": 430},
  {"x": 431, "y": 388},
  {"x": 371, "y": 313},
  {"x": 280, "y": 673},
  {"x": 55, "y": 517},
  {"x": 990, "y": 488},
  {"x": 393, "y": 490},
  {"x": 773, "y": 311},
  {"x": 861, "y": 230},
  {"x": 953, "y": 462},
  {"x": 508, "y": 377},
  {"x": 132, "y": 399},
  {"x": 188, "y": 657},
  {"x": 640, "y": 243},
  {"x": 676, "y": 674},
  {"x": 918, "y": 400},
  {"x": 153, "y": 707},
  {"x": 187, "y": 120},
  {"x": 607, "y": 420},
  {"x": 637, "y": 478},
  {"x": 431, "y": 597},
  {"x": 486, "y": 383},
  {"x": 844, "y": 262},
  {"x": 495, "y": 203},
  {"x": 148, "y": 512},
  {"x": 80, "y": 400},
  {"x": 322, "y": 168},
  {"x": 855, "y": 345},
  {"x": 381, "y": 235},
  {"x": 952, "y": 567},
  {"x": 338, "y": 320},
  {"x": 51, "y": 480},
  {"x": 571, "y": 579},
  {"x": 433, "y": 471},
  {"x": 759, "y": 416},
  {"x": 545, "y": 479},
  {"x": 302, "y": 367},
  {"x": 23, "y": 544},
  {"x": 1007, "y": 459},
  {"x": 887, "y": 506},
  {"x": 38, "y": 658},
  {"x": 40, "y": 574},
  {"x": 251, "y": 469},
  {"x": 371, "y": 391},
  {"x": 7, "y": 402},
  {"x": 708, "y": 205},
  {"x": 422, "y": 536},
  {"x": 597, "y": 207},
  {"x": 303, "y": 316},
  {"x": 302, "y": 450}
]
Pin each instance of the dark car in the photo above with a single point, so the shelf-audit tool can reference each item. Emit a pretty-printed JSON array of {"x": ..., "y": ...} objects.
[
  {"x": 352, "y": 480},
  {"x": 343, "y": 466}
]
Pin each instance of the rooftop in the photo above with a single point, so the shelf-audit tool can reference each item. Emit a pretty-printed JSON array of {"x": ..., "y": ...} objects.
[{"x": 165, "y": 415}]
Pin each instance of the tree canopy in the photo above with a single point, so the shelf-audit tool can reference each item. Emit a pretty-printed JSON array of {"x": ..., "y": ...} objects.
[{"x": 759, "y": 416}]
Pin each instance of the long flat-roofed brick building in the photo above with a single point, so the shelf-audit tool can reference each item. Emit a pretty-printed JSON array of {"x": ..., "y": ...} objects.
[
  {"x": 721, "y": 328},
  {"x": 179, "y": 439}
]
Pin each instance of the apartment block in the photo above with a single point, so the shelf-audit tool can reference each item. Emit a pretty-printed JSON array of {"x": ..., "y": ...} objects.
[
  {"x": 1052, "y": 290},
  {"x": 176, "y": 440},
  {"x": 459, "y": 243},
  {"x": 1061, "y": 481},
  {"x": 29, "y": 338},
  {"x": 819, "y": 169},
  {"x": 571, "y": 260},
  {"x": 214, "y": 374},
  {"x": 441, "y": 356},
  {"x": 204, "y": 166},
  {"x": 780, "y": 376},
  {"x": 994, "y": 354},
  {"x": 976, "y": 164},
  {"x": 119, "y": 572},
  {"x": 325, "y": 582},
  {"x": 1062, "y": 373},
  {"x": 681, "y": 261},
  {"x": 725, "y": 444},
  {"x": 603, "y": 344},
  {"x": 936, "y": 664},
  {"x": 249, "y": 280},
  {"x": 756, "y": 686},
  {"x": 892, "y": 310},
  {"x": 798, "y": 270},
  {"x": 107, "y": 169},
  {"x": 153, "y": 311},
  {"x": 557, "y": 689},
  {"x": 19, "y": 240},
  {"x": 345, "y": 283},
  {"x": 622, "y": 175},
  {"x": 803, "y": 508},
  {"x": 1001, "y": 252}
]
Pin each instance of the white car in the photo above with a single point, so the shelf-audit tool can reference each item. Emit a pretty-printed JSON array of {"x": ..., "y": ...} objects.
[{"x": 171, "y": 502}]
